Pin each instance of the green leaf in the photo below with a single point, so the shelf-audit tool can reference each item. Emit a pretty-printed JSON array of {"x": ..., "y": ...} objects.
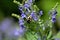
[{"x": 56, "y": 36}]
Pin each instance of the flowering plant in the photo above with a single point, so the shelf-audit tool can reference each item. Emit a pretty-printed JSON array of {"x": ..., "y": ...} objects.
[{"x": 32, "y": 27}]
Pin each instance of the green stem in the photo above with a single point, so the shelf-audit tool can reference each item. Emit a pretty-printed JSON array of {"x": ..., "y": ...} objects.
[{"x": 49, "y": 35}]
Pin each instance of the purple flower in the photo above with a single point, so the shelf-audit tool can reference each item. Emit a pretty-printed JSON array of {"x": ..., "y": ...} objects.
[
  {"x": 30, "y": 1},
  {"x": 21, "y": 9},
  {"x": 21, "y": 22},
  {"x": 41, "y": 13},
  {"x": 23, "y": 15},
  {"x": 54, "y": 16},
  {"x": 33, "y": 15},
  {"x": 26, "y": 5},
  {"x": 22, "y": 26},
  {"x": 22, "y": 30},
  {"x": 53, "y": 20}
]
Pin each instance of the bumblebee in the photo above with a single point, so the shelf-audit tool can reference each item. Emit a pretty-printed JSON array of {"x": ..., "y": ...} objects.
[{"x": 29, "y": 19}]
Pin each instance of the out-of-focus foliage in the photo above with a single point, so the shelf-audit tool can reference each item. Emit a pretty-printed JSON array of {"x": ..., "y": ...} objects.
[{"x": 57, "y": 36}]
